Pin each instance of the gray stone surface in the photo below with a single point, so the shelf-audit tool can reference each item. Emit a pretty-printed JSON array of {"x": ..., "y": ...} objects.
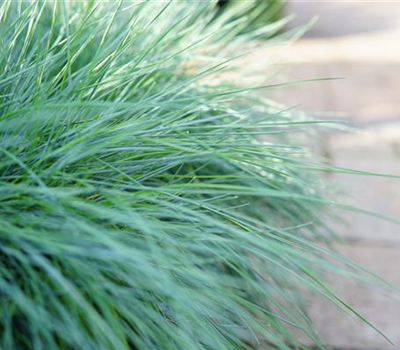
[
  {"x": 377, "y": 305},
  {"x": 358, "y": 91},
  {"x": 353, "y": 40},
  {"x": 358, "y": 41},
  {"x": 375, "y": 149},
  {"x": 338, "y": 18}
]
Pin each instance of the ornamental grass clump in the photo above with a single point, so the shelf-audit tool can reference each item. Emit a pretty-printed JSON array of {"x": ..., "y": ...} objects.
[{"x": 139, "y": 207}]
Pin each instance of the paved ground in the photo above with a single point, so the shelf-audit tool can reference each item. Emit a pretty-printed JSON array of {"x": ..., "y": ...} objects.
[{"x": 361, "y": 42}]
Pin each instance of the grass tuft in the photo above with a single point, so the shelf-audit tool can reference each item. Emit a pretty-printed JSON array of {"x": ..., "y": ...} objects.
[{"x": 139, "y": 208}]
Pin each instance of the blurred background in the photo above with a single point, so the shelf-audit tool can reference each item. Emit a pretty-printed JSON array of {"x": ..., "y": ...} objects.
[{"x": 360, "y": 42}]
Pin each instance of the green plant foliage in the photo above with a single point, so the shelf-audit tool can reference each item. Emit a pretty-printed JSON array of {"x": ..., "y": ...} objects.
[
  {"x": 257, "y": 13},
  {"x": 138, "y": 207}
]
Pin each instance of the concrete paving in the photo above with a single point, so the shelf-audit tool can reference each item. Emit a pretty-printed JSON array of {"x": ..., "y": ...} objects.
[
  {"x": 376, "y": 148},
  {"x": 359, "y": 41},
  {"x": 356, "y": 42},
  {"x": 341, "y": 331},
  {"x": 359, "y": 92}
]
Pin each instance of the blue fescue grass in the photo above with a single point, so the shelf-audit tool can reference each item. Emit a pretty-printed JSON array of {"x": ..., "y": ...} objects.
[{"x": 138, "y": 207}]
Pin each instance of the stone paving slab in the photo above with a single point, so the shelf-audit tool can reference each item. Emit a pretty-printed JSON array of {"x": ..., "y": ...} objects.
[
  {"x": 358, "y": 41},
  {"x": 375, "y": 149},
  {"x": 339, "y": 331},
  {"x": 345, "y": 18},
  {"x": 359, "y": 92}
]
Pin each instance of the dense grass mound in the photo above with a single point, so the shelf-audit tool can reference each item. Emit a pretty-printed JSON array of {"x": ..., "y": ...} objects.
[{"x": 138, "y": 208}]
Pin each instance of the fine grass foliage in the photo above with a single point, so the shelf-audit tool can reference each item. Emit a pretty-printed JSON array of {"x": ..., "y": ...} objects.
[
  {"x": 258, "y": 13},
  {"x": 139, "y": 206}
]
